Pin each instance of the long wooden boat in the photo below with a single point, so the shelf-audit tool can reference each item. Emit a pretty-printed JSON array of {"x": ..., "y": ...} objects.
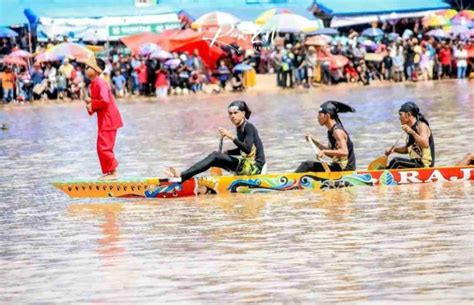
[{"x": 167, "y": 188}]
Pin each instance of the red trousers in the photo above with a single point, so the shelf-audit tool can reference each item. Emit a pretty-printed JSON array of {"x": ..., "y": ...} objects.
[{"x": 105, "y": 150}]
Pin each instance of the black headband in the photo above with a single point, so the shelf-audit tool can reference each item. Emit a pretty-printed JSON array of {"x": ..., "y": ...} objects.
[{"x": 241, "y": 106}]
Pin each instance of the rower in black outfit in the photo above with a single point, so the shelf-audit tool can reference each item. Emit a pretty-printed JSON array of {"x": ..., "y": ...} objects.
[
  {"x": 249, "y": 148},
  {"x": 340, "y": 148}
]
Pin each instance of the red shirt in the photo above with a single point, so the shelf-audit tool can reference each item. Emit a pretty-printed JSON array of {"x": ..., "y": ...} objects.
[
  {"x": 161, "y": 79},
  {"x": 142, "y": 74},
  {"x": 103, "y": 102},
  {"x": 445, "y": 56}
]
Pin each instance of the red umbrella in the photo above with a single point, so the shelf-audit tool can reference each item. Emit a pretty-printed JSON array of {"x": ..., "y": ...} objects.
[
  {"x": 12, "y": 60},
  {"x": 338, "y": 61}
]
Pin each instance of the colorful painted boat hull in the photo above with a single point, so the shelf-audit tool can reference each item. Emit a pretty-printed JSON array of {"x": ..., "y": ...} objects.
[{"x": 155, "y": 188}]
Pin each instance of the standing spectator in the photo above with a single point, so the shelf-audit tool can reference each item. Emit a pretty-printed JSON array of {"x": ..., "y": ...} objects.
[
  {"x": 62, "y": 86},
  {"x": 461, "y": 60},
  {"x": 8, "y": 84},
  {"x": 277, "y": 60},
  {"x": 398, "y": 64},
  {"x": 135, "y": 63},
  {"x": 387, "y": 66},
  {"x": 161, "y": 83},
  {"x": 142, "y": 77},
  {"x": 66, "y": 68},
  {"x": 445, "y": 59},
  {"x": 24, "y": 85},
  {"x": 223, "y": 72},
  {"x": 409, "y": 61},
  {"x": 118, "y": 84},
  {"x": 37, "y": 77},
  {"x": 300, "y": 66}
]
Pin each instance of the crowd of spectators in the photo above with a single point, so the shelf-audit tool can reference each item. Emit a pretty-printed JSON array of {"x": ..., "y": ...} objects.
[{"x": 388, "y": 57}]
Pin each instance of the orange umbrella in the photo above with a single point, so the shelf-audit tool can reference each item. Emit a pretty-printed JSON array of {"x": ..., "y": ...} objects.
[
  {"x": 338, "y": 61},
  {"x": 13, "y": 60}
]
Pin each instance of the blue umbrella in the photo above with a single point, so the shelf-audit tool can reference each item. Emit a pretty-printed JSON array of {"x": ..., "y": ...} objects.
[
  {"x": 242, "y": 67},
  {"x": 393, "y": 36},
  {"x": 407, "y": 34},
  {"x": 372, "y": 32},
  {"x": 325, "y": 31},
  {"x": 6, "y": 32},
  {"x": 437, "y": 33}
]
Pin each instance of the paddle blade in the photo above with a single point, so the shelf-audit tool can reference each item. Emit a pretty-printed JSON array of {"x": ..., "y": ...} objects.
[
  {"x": 379, "y": 163},
  {"x": 216, "y": 171}
]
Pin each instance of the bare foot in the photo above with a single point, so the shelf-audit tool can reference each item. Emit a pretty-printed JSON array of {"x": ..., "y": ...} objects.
[
  {"x": 172, "y": 173},
  {"x": 110, "y": 176}
]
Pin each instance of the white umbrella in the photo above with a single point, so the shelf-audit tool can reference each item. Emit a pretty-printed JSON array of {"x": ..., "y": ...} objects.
[
  {"x": 215, "y": 19},
  {"x": 161, "y": 54},
  {"x": 291, "y": 23}
]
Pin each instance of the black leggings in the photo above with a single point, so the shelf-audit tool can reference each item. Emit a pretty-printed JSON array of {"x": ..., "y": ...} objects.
[
  {"x": 398, "y": 162},
  {"x": 311, "y": 166},
  {"x": 216, "y": 159}
]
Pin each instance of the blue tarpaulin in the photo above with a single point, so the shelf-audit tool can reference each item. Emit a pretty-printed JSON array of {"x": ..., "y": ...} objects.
[
  {"x": 11, "y": 11},
  {"x": 367, "y": 7},
  {"x": 243, "y": 9}
]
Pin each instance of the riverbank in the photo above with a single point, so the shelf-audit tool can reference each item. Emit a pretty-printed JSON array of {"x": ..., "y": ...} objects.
[{"x": 266, "y": 84}]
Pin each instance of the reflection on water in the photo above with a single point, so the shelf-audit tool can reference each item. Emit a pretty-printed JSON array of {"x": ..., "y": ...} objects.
[{"x": 365, "y": 245}]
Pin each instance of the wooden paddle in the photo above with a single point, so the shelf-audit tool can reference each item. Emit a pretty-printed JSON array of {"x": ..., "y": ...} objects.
[
  {"x": 381, "y": 162},
  {"x": 216, "y": 171},
  {"x": 316, "y": 151}
]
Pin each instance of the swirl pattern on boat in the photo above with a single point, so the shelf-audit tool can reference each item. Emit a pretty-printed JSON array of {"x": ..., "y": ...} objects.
[
  {"x": 281, "y": 183},
  {"x": 163, "y": 190}
]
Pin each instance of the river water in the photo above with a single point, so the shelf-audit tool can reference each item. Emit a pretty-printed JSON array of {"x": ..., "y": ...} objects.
[{"x": 409, "y": 244}]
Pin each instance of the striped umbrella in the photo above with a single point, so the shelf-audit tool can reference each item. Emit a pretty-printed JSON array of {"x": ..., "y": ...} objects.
[
  {"x": 215, "y": 19},
  {"x": 460, "y": 20},
  {"x": 448, "y": 14},
  {"x": 265, "y": 16},
  {"x": 435, "y": 20},
  {"x": 468, "y": 14},
  {"x": 70, "y": 49}
]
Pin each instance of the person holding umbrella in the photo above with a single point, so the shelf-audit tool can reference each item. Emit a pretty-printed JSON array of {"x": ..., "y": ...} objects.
[{"x": 109, "y": 120}]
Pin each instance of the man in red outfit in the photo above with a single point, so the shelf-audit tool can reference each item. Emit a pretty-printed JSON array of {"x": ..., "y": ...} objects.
[{"x": 102, "y": 101}]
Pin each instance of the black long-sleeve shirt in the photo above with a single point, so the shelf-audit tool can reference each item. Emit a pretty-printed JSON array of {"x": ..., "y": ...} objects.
[{"x": 247, "y": 138}]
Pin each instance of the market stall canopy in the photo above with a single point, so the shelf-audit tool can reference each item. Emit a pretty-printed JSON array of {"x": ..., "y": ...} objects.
[{"x": 177, "y": 41}]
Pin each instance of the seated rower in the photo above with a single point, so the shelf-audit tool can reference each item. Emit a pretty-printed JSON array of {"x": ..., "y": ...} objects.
[
  {"x": 468, "y": 160},
  {"x": 340, "y": 149},
  {"x": 420, "y": 143},
  {"x": 249, "y": 148}
]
